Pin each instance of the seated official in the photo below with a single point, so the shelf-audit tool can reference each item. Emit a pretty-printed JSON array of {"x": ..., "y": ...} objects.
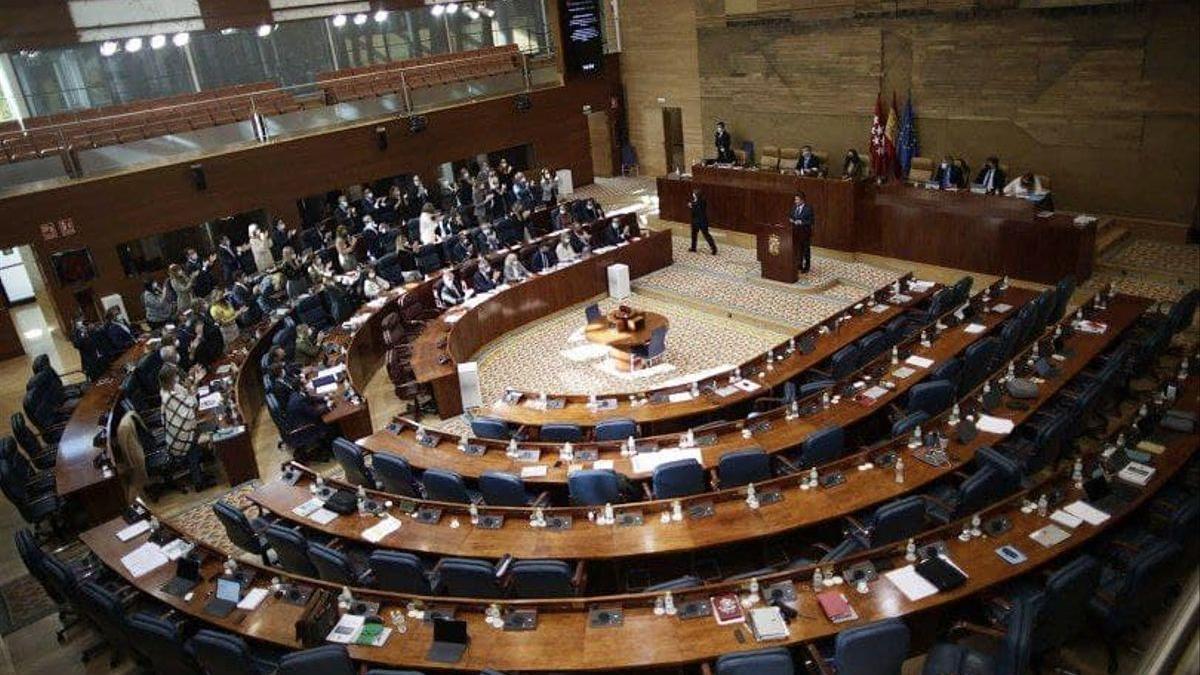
[
  {"x": 1029, "y": 186},
  {"x": 449, "y": 291},
  {"x": 118, "y": 334},
  {"x": 487, "y": 241},
  {"x": 543, "y": 259},
  {"x": 374, "y": 285},
  {"x": 948, "y": 175},
  {"x": 462, "y": 248},
  {"x": 242, "y": 297},
  {"x": 564, "y": 251},
  {"x": 180, "y": 409},
  {"x": 613, "y": 233},
  {"x": 485, "y": 278},
  {"x": 991, "y": 177},
  {"x": 852, "y": 165},
  {"x": 808, "y": 164},
  {"x": 581, "y": 240},
  {"x": 514, "y": 271},
  {"x": 302, "y": 409}
]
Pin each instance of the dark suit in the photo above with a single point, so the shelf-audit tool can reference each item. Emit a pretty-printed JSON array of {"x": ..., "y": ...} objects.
[
  {"x": 544, "y": 259},
  {"x": 700, "y": 223},
  {"x": 483, "y": 282},
  {"x": 724, "y": 142},
  {"x": 119, "y": 337},
  {"x": 802, "y": 218},
  {"x": 948, "y": 177},
  {"x": 808, "y": 165},
  {"x": 229, "y": 262},
  {"x": 998, "y": 179},
  {"x": 302, "y": 411}
]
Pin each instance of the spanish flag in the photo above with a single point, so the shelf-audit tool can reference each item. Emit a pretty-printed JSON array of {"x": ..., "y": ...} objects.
[{"x": 890, "y": 166}]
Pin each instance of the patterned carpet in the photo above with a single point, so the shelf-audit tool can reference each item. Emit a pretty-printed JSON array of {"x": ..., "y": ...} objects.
[
  {"x": 23, "y": 601},
  {"x": 1179, "y": 261}
]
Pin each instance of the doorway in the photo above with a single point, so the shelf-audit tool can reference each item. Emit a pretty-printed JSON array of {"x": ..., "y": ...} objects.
[
  {"x": 673, "y": 138},
  {"x": 600, "y": 136}
]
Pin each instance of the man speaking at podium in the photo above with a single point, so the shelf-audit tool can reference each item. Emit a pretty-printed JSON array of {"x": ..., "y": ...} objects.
[
  {"x": 724, "y": 142},
  {"x": 801, "y": 217}
]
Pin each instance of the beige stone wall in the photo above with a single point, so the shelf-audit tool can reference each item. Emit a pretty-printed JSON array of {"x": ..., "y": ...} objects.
[
  {"x": 659, "y": 60},
  {"x": 1105, "y": 101}
]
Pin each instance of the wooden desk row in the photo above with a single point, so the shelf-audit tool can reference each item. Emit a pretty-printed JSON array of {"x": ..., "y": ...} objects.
[
  {"x": 657, "y": 413},
  {"x": 774, "y": 431},
  {"x": 643, "y": 638},
  {"x": 958, "y": 229},
  {"x": 731, "y": 520}
]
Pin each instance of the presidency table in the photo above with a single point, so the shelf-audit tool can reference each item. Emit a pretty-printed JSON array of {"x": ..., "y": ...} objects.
[{"x": 959, "y": 229}]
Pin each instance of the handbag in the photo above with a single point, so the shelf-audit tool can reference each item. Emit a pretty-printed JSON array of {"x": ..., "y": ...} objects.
[
  {"x": 1019, "y": 387},
  {"x": 319, "y": 617}
]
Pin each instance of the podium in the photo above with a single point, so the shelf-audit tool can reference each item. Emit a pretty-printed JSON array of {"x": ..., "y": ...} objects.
[{"x": 779, "y": 247}]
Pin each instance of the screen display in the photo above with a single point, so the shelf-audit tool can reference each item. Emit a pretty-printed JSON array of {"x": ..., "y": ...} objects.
[
  {"x": 582, "y": 35},
  {"x": 73, "y": 267}
]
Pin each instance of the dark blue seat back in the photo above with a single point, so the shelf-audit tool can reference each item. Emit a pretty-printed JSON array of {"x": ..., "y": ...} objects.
[
  {"x": 740, "y": 467},
  {"x": 221, "y": 653},
  {"x": 350, "y": 457},
  {"x": 331, "y": 565},
  {"x": 158, "y": 640},
  {"x": 772, "y": 661},
  {"x": 502, "y": 489},
  {"x": 467, "y": 578},
  {"x": 679, "y": 478},
  {"x": 490, "y": 427},
  {"x": 949, "y": 370},
  {"x": 399, "y": 572},
  {"x": 395, "y": 473},
  {"x": 615, "y": 430},
  {"x": 874, "y": 649},
  {"x": 1063, "y": 613},
  {"x": 292, "y": 549},
  {"x": 237, "y": 527},
  {"x": 542, "y": 579},
  {"x": 323, "y": 660},
  {"x": 931, "y": 397},
  {"x": 897, "y": 520},
  {"x": 442, "y": 485},
  {"x": 594, "y": 487},
  {"x": 822, "y": 446},
  {"x": 844, "y": 362},
  {"x": 976, "y": 360},
  {"x": 872, "y": 346},
  {"x": 560, "y": 433},
  {"x": 905, "y": 424}
]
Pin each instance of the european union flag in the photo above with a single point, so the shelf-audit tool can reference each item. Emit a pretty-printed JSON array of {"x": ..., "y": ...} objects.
[{"x": 908, "y": 146}]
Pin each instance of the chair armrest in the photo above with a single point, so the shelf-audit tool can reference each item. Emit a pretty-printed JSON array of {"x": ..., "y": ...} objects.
[
  {"x": 938, "y": 502},
  {"x": 543, "y": 499},
  {"x": 856, "y": 526},
  {"x": 816, "y": 660},
  {"x": 706, "y": 669},
  {"x": 713, "y": 480},
  {"x": 789, "y": 467},
  {"x": 962, "y": 627},
  {"x": 647, "y": 491},
  {"x": 580, "y": 577}
]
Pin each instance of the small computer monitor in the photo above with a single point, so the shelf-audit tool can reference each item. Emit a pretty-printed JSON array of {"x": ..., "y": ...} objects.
[{"x": 229, "y": 590}]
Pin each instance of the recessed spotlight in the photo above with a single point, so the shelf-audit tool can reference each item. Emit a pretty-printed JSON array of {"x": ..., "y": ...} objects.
[
  {"x": 339, "y": 20},
  {"x": 264, "y": 30},
  {"x": 360, "y": 19},
  {"x": 487, "y": 11},
  {"x": 381, "y": 16},
  {"x": 133, "y": 45},
  {"x": 109, "y": 48},
  {"x": 228, "y": 31},
  {"x": 181, "y": 39},
  {"x": 452, "y": 8},
  {"x": 438, "y": 10},
  {"x": 158, "y": 42}
]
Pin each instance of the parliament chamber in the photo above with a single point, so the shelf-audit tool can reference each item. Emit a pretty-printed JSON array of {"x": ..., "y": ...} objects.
[{"x": 556, "y": 336}]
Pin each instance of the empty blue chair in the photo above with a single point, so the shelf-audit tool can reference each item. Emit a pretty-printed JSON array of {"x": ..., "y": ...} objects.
[
  {"x": 159, "y": 641},
  {"x": 615, "y": 430},
  {"x": 560, "y": 433},
  {"x": 594, "y": 487},
  {"x": 395, "y": 474},
  {"x": 815, "y": 387},
  {"x": 353, "y": 462},
  {"x": 680, "y": 478},
  {"x": 442, "y": 485},
  {"x": 106, "y": 613},
  {"x": 593, "y": 314},
  {"x": 1127, "y": 596},
  {"x": 931, "y": 397},
  {"x": 1064, "y": 612},
  {"x": 1012, "y": 657},
  {"x": 504, "y": 489},
  {"x": 821, "y": 447},
  {"x": 332, "y": 565},
  {"x": 531, "y": 579},
  {"x": 291, "y": 548},
  {"x": 653, "y": 350},
  {"x": 843, "y": 362},
  {"x": 244, "y": 534},
  {"x": 975, "y": 362},
  {"x": 949, "y": 370},
  {"x": 892, "y": 522},
  {"x": 872, "y": 346},
  {"x": 221, "y": 653},
  {"x": 906, "y": 423},
  {"x": 399, "y": 572},
  {"x": 467, "y": 578},
  {"x": 997, "y": 476},
  {"x": 323, "y": 660},
  {"x": 676, "y": 584},
  {"x": 490, "y": 427},
  {"x": 896, "y": 330},
  {"x": 740, "y": 467},
  {"x": 772, "y": 661},
  {"x": 874, "y": 649}
]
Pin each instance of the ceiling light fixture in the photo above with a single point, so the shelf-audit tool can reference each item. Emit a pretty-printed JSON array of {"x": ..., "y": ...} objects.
[
  {"x": 339, "y": 20},
  {"x": 438, "y": 10},
  {"x": 158, "y": 42},
  {"x": 360, "y": 19},
  {"x": 381, "y": 16},
  {"x": 181, "y": 39},
  {"x": 133, "y": 45},
  {"x": 109, "y": 48},
  {"x": 452, "y": 8},
  {"x": 265, "y": 30}
]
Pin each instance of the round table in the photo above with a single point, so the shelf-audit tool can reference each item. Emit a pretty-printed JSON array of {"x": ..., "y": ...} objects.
[{"x": 620, "y": 342}]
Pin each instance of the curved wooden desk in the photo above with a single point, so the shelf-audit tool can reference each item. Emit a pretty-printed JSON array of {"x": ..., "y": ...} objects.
[
  {"x": 731, "y": 521},
  {"x": 644, "y": 639},
  {"x": 655, "y": 411},
  {"x": 772, "y": 431}
]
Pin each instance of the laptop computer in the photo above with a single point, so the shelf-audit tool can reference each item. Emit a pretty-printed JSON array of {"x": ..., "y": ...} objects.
[
  {"x": 449, "y": 641},
  {"x": 229, "y": 592},
  {"x": 187, "y": 575}
]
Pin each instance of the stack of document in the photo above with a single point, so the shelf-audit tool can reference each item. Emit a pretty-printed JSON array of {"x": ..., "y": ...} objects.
[
  {"x": 383, "y": 528},
  {"x": 648, "y": 461},
  {"x": 144, "y": 560}
]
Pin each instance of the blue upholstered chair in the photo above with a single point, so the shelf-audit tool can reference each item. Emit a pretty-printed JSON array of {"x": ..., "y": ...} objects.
[
  {"x": 220, "y": 653},
  {"x": 680, "y": 478},
  {"x": 399, "y": 572},
  {"x": 771, "y": 661},
  {"x": 560, "y": 433},
  {"x": 442, "y": 485},
  {"x": 292, "y": 549},
  {"x": 395, "y": 474},
  {"x": 467, "y": 578},
  {"x": 531, "y": 579},
  {"x": 160, "y": 643},
  {"x": 353, "y": 462},
  {"x": 505, "y": 489},
  {"x": 614, "y": 430},
  {"x": 740, "y": 467},
  {"x": 594, "y": 487},
  {"x": 323, "y": 660}
]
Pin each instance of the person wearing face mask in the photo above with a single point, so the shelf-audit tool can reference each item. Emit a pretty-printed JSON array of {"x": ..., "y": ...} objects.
[
  {"x": 200, "y": 269},
  {"x": 808, "y": 164},
  {"x": 801, "y": 217},
  {"x": 948, "y": 175},
  {"x": 449, "y": 291},
  {"x": 280, "y": 236},
  {"x": 544, "y": 259},
  {"x": 724, "y": 143},
  {"x": 368, "y": 204},
  {"x": 260, "y": 247},
  {"x": 344, "y": 213},
  {"x": 489, "y": 241},
  {"x": 514, "y": 271},
  {"x": 699, "y": 209},
  {"x": 852, "y": 166},
  {"x": 485, "y": 278},
  {"x": 374, "y": 285},
  {"x": 991, "y": 178},
  {"x": 427, "y": 227},
  {"x": 159, "y": 310},
  {"x": 549, "y": 185},
  {"x": 462, "y": 247},
  {"x": 497, "y": 199},
  {"x": 564, "y": 251}
]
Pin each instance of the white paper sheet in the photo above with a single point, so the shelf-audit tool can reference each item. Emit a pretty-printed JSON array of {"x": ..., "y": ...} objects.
[
  {"x": 323, "y": 516},
  {"x": 994, "y": 425},
  {"x": 308, "y": 507},
  {"x": 1066, "y": 519},
  {"x": 331, "y": 371},
  {"x": 912, "y": 585},
  {"x": 974, "y": 328},
  {"x": 602, "y": 464},
  {"x": 383, "y": 528},
  {"x": 918, "y": 361},
  {"x": 679, "y": 397},
  {"x": 648, "y": 461},
  {"x": 1086, "y": 512},
  {"x": 144, "y": 559},
  {"x": 127, "y": 533},
  {"x": 253, "y": 599},
  {"x": 535, "y": 471}
]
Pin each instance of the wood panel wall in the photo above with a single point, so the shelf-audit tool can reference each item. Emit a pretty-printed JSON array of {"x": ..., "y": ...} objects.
[{"x": 120, "y": 208}]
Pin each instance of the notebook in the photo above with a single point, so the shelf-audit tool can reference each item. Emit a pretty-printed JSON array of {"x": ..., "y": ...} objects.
[
  {"x": 727, "y": 609},
  {"x": 1049, "y": 535},
  {"x": 836, "y": 607},
  {"x": 766, "y": 623}
]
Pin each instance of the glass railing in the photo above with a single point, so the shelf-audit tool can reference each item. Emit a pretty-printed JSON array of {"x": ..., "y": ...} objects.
[{"x": 90, "y": 144}]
